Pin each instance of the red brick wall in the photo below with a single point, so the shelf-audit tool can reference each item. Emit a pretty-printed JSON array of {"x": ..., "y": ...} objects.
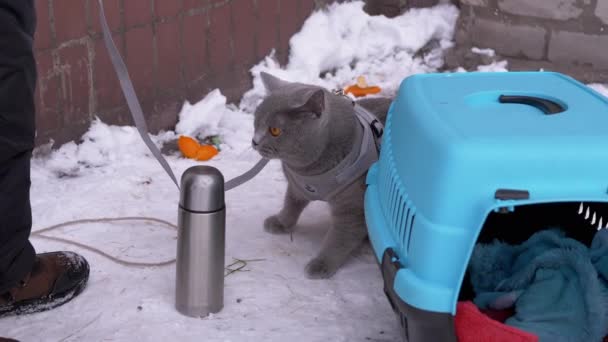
[{"x": 174, "y": 49}]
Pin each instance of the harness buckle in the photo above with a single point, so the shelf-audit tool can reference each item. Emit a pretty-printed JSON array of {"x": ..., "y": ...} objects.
[
  {"x": 338, "y": 92},
  {"x": 377, "y": 128}
]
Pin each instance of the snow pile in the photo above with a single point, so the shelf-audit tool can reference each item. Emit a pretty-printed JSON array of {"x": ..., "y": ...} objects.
[
  {"x": 212, "y": 116},
  {"x": 101, "y": 146},
  {"x": 497, "y": 66},
  {"x": 336, "y": 46},
  {"x": 202, "y": 118}
]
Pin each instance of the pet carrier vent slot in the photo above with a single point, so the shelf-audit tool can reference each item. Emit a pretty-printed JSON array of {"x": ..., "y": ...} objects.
[
  {"x": 400, "y": 216},
  {"x": 411, "y": 228},
  {"x": 395, "y": 203},
  {"x": 403, "y": 235},
  {"x": 393, "y": 207}
]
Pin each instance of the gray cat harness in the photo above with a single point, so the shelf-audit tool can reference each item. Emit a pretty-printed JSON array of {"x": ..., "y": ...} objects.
[{"x": 364, "y": 153}]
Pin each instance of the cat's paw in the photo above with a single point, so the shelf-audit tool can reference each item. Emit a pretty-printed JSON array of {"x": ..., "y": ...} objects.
[
  {"x": 319, "y": 268},
  {"x": 273, "y": 225}
]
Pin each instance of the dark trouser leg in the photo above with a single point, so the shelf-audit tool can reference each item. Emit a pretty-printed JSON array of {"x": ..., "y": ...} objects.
[
  {"x": 16, "y": 252},
  {"x": 17, "y": 84}
]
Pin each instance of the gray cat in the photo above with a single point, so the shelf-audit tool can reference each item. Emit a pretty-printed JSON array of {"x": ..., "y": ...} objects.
[{"x": 312, "y": 131}]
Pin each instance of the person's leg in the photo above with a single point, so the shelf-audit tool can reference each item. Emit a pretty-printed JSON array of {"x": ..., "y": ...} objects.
[
  {"x": 16, "y": 253},
  {"x": 28, "y": 282},
  {"x": 17, "y": 84}
]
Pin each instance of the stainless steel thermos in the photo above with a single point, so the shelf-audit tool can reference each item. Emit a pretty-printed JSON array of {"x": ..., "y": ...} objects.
[{"x": 199, "y": 288}]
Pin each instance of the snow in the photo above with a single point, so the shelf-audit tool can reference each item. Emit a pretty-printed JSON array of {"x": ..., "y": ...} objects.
[
  {"x": 600, "y": 88},
  {"x": 485, "y": 52},
  {"x": 496, "y": 66},
  {"x": 110, "y": 173},
  {"x": 202, "y": 118},
  {"x": 333, "y": 48}
]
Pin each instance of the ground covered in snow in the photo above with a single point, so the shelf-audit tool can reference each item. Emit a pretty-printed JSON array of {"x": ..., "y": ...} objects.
[{"x": 111, "y": 174}]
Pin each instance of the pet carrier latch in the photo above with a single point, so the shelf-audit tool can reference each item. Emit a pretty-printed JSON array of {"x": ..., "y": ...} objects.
[
  {"x": 389, "y": 267},
  {"x": 510, "y": 195},
  {"x": 390, "y": 264}
]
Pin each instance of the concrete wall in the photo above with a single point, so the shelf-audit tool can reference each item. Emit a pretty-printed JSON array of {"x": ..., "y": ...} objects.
[
  {"x": 174, "y": 49},
  {"x": 569, "y": 36}
]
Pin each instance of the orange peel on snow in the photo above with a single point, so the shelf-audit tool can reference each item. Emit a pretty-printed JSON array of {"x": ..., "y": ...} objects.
[
  {"x": 361, "y": 88},
  {"x": 190, "y": 148}
]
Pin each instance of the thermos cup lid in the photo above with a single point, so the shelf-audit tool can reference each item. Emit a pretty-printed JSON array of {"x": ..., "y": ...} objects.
[{"x": 202, "y": 189}]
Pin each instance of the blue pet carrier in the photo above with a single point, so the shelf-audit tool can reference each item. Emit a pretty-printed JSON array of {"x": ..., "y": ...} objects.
[{"x": 471, "y": 157}]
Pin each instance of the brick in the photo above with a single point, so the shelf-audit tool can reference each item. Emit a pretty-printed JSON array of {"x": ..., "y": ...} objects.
[
  {"x": 243, "y": 17},
  {"x": 164, "y": 114},
  {"x": 113, "y": 16},
  {"x": 44, "y": 63},
  {"x": 243, "y": 79},
  {"x": 140, "y": 60},
  {"x": 266, "y": 28},
  {"x": 51, "y": 98},
  {"x": 48, "y": 95},
  {"x": 601, "y": 10},
  {"x": 74, "y": 66},
  {"x": 579, "y": 48},
  {"x": 194, "y": 36},
  {"x": 227, "y": 82},
  {"x": 71, "y": 132},
  {"x": 421, "y": 3},
  {"x": 37, "y": 99},
  {"x": 48, "y": 115},
  {"x": 107, "y": 88},
  {"x": 306, "y": 8},
  {"x": 302, "y": 13},
  {"x": 220, "y": 39},
  {"x": 475, "y": 2},
  {"x": 388, "y": 8},
  {"x": 43, "y": 38},
  {"x": 167, "y": 8},
  {"x": 147, "y": 106},
  {"x": 169, "y": 55},
  {"x": 199, "y": 88},
  {"x": 288, "y": 25},
  {"x": 516, "y": 40},
  {"x": 70, "y": 19},
  {"x": 137, "y": 12},
  {"x": 196, "y": 4},
  {"x": 550, "y": 9},
  {"x": 116, "y": 116}
]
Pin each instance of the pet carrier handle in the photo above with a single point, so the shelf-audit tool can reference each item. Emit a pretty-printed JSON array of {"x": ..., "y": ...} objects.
[{"x": 546, "y": 106}]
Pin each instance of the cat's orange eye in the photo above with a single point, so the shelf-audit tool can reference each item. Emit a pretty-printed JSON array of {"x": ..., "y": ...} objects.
[{"x": 274, "y": 131}]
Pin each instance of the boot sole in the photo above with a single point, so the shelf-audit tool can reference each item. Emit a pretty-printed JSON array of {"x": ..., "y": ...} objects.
[{"x": 45, "y": 303}]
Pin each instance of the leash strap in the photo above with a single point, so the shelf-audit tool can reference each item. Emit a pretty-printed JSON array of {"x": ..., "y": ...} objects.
[
  {"x": 245, "y": 177},
  {"x": 130, "y": 96},
  {"x": 138, "y": 117}
]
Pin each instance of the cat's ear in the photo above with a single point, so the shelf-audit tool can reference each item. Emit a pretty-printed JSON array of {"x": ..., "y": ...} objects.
[
  {"x": 272, "y": 83},
  {"x": 315, "y": 102},
  {"x": 308, "y": 102}
]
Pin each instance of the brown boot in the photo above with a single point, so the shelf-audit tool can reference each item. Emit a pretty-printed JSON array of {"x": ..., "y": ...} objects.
[{"x": 54, "y": 280}]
